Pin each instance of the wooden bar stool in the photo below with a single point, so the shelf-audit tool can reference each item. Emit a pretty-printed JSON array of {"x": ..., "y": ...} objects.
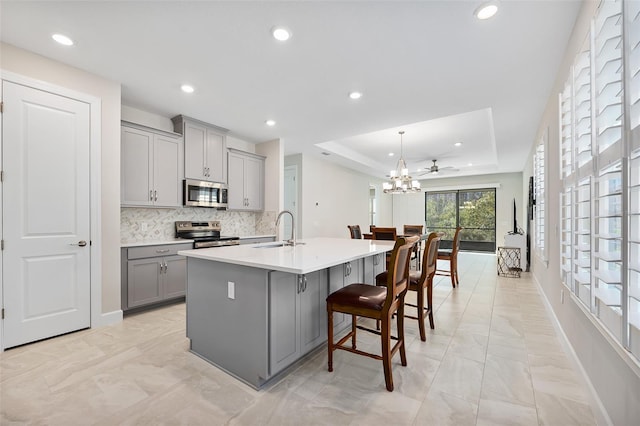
[
  {"x": 386, "y": 234},
  {"x": 410, "y": 230},
  {"x": 355, "y": 232},
  {"x": 452, "y": 257},
  {"x": 379, "y": 303},
  {"x": 419, "y": 281}
]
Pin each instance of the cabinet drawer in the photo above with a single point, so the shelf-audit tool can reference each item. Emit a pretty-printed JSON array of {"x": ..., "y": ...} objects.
[{"x": 155, "y": 251}]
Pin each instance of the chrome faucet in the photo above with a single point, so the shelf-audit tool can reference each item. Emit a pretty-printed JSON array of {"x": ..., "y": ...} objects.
[{"x": 292, "y": 240}]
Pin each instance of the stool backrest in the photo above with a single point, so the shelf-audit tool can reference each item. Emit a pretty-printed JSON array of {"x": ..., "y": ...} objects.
[
  {"x": 398, "y": 272},
  {"x": 430, "y": 256},
  {"x": 456, "y": 241},
  {"x": 355, "y": 232}
]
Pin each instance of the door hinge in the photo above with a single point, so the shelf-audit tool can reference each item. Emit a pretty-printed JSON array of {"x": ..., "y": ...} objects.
[
  {"x": 1, "y": 107},
  {"x": 1, "y": 244},
  {"x": 1, "y": 175},
  {"x": 2, "y": 313}
]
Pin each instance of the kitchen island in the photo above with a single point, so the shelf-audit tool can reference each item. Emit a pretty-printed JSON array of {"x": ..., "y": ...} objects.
[{"x": 253, "y": 310}]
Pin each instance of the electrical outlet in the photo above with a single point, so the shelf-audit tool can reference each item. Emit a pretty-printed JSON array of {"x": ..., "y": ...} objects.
[
  {"x": 143, "y": 226},
  {"x": 231, "y": 290}
]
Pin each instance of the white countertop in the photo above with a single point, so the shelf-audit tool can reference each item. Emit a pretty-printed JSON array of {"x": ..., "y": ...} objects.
[
  {"x": 156, "y": 242},
  {"x": 315, "y": 254}
]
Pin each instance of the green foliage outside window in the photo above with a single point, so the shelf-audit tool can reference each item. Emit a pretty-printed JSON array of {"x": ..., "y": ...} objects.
[{"x": 472, "y": 210}]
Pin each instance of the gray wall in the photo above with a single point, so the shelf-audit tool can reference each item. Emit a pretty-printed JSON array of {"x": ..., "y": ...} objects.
[{"x": 609, "y": 368}]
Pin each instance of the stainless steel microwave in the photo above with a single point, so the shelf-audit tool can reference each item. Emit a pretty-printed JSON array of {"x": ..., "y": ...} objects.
[{"x": 204, "y": 194}]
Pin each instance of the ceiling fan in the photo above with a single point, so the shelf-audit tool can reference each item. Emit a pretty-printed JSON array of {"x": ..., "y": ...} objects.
[{"x": 435, "y": 169}]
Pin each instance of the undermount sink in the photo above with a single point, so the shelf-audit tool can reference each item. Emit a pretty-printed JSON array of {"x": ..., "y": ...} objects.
[{"x": 275, "y": 244}]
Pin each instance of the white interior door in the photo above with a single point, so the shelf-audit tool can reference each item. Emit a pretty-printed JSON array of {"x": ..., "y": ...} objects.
[
  {"x": 46, "y": 208},
  {"x": 290, "y": 197}
]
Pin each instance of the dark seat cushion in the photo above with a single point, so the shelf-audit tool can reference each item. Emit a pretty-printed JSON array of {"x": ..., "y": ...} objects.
[{"x": 359, "y": 295}]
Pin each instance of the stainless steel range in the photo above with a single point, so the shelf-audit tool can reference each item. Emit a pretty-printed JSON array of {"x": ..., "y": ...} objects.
[{"x": 204, "y": 234}]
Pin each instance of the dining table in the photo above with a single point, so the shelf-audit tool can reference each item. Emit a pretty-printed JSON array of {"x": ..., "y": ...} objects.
[{"x": 423, "y": 237}]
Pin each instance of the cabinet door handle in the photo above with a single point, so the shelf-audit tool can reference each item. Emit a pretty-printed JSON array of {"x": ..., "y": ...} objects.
[
  {"x": 162, "y": 251},
  {"x": 151, "y": 195},
  {"x": 299, "y": 284},
  {"x": 155, "y": 195},
  {"x": 305, "y": 283}
]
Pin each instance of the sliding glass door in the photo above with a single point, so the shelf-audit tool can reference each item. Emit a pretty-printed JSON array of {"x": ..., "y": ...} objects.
[{"x": 474, "y": 210}]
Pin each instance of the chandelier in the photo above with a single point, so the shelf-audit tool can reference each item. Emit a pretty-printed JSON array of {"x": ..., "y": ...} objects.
[{"x": 399, "y": 179}]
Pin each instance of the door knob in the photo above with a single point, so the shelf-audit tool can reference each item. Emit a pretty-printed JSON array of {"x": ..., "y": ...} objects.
[{"x": 80, "y": 243}]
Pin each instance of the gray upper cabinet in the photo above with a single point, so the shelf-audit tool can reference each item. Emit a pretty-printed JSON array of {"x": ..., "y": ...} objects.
[
  {"x": 151, "y": 167},
  {"x": 204, "y": 149},
  {"x": 246, "y": 181}
]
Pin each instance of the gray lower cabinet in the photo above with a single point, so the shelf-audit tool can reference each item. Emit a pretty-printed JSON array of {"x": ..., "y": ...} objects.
[
  {"x": 373, "y": 265},
  {"x": 153, "y": 274},
  {"x": 298, "y": 316},
  {"x": 340, "y": 276}
]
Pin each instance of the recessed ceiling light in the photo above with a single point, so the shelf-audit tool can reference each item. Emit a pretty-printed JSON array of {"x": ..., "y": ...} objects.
[
  {"x": 270, "y": 123},
  {"x": 281, "y": 33},
  {"x": 457, "y": 144},
  {"x": 62, "y": 39},
  {"x": 186, "y": 88},
  {"x": 486, "y": 10},
  {"x": 391, "y": 154},
  {"x": 469, "y": 164},
  {"x": 355, "y": 95}
]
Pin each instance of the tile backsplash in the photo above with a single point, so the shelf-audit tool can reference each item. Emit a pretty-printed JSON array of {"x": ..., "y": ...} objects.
[{"x": 160, "y": 223}]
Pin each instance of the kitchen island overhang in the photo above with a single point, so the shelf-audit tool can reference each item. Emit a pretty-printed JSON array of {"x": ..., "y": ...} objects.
[{"x": 254, "y": 310}]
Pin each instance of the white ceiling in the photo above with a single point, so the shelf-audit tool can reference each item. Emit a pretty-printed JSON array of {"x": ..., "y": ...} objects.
[{"x": 429, "y": 68}]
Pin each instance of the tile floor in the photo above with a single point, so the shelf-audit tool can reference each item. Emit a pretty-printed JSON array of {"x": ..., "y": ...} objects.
[{"x": 494, "y": 358}]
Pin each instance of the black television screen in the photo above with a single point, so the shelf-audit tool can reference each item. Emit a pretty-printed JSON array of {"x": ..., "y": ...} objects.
[{"x": 515, "y": 220}]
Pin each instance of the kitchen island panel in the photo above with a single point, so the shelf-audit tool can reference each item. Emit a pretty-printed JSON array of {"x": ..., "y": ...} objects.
[{"x": 230, "y": 333}]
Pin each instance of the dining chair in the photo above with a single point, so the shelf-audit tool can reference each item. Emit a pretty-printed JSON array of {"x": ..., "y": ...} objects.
[
  {"x": 355, "y": 232},
  {"x": 419, "y": 281},
  {"x": 382, "y": 233},
  {"x": 452, "y": 257},
  {"x": 378, "y": 303}
]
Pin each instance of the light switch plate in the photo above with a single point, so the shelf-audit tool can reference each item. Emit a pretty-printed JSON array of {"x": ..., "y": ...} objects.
[{"x": 231, "y": 290}]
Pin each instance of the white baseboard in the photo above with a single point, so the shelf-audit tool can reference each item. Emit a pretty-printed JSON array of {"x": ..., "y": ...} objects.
[
  {"x": 108, "y": 318},
  {"x": 600, "y": 413}
]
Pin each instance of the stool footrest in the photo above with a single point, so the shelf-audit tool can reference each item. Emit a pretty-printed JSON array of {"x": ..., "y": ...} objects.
[{"x": 370, "y": 330}]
